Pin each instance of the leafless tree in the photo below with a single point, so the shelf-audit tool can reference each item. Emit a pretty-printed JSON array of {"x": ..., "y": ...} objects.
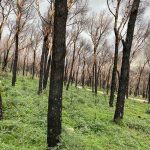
[{"x": 98, "y": 28}]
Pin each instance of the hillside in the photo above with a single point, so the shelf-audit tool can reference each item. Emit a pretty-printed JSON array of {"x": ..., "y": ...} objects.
[{"x": 87, "y": 120}]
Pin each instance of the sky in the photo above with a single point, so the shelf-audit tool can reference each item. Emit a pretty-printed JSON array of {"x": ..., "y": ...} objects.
[{"x": 97, "y": 5}]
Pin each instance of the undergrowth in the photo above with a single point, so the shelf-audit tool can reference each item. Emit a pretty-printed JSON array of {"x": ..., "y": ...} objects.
[{"x": 87, "y": 120}]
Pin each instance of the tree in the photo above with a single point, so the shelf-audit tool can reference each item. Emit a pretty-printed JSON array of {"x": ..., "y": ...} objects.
[
  {"x": 141, "y": 69},
  {"x": 57, "y": 74},
  {"x": 9, "y": 41},
  {"x": 98, "y": 28},
  {"x": 118, "y": 29},
  {"x": 47, "y": 30},
  {"x": 22, "y": 10},
  {"x": 37, "y": 38},
  {"x": 127, "y": 44},
  {"x": 147, "y": 55},
  {"x": 1, "y": 109},
  {"x": 5, "y": 10},
  {"x": 77, "y": 21},
  {"x": 139, "y": 39},
  {"x": 149, "y": 89},
  {"x": 78, "y": 30}
]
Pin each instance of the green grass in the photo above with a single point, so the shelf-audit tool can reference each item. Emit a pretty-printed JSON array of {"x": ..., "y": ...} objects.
[{"x": 87, "y": 120}]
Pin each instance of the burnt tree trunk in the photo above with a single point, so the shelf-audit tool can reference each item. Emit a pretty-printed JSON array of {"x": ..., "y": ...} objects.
[
  {"x": 92, "y": 82},
  {"x": 72, "y": 64},
  {"x": 15, "y": 63},
  {"x": 24, "y": 66},
  {"x": 33, "y": 64},
  {"x": 77, "y": 73},
  {"x": 108, "y": 80},
  {"x": 46, "y": 74},
  {"x": 127, "y": 90},
  {"x": 41, "y": 77},
  {"x": 73, "y": 78},
  {"x": 76, "y": 78},
  {"x": 117, "y": 40},
  {"x": 125, "y": 62},
  {"x": 5, "y": 61},
  {"x": 66, "y": 72},
  {"x": 83, "y": 74},
  {"x": 149, "y": 89},
  {"x": 1, "y": 109},
  {"x": 11, "y": 66},
  {"x": 57, "y": 74},
  {"x": 94, "y": 77},
  {"x": 114, "y": 72}
]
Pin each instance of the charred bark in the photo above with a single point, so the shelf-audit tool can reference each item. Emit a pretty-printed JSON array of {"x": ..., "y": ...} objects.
[
  {"x": 46, "y": 75},
  {"x": 149, "y": 89},
  {"x": 114, "y": 72},
  {"x": 72, "y": 64},
  {"x": 1, "y": 109},
  {"x": 5, "y": 61},
  {"x": 15, "y": 63},
  {"x": 33, "y": 64},
  {"x": 42, "y": 65},
  {"x": 57, "y": 74},
  {"x": 119, "y": 112}
]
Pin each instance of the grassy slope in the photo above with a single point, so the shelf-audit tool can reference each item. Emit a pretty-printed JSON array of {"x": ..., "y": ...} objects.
[{"x": 24, "y": 124}]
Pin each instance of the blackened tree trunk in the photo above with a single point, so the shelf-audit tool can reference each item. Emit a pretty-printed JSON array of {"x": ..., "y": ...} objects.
[
  {"x": 149, "y": 89},
  {"x": 42, "y": 64},
  {"x": 11, "y": 67},
  {"x": 57, "y": 74},
  {"x": 83, "y": 73},
  {"x": 76, "y": 79},
  {"x": 46, "y": 74},
  {"x": 73, "y": 78},
  {"x": 5, "y": 61},
  {"x": 15, "y": 63},
  {"x": 46, "y": 59},
  {"x": 114, "y": 73},
  {"x": 125, "y": 62},
  {"x": 33, "y": 65},
  {"x": 77, "y": 72},
  {"x": 72, "y": 64},
  {"x": 108, "y": 80},
  {"x": 0, "y": 58},
  {"x": 1, "y": 110},
  {"x": 144, "y": 90},
  {"x": 94, "y": 77},
  {"x": 24, "y": 66},
  {"x": 27, "y": 66},
  {"x": 66, "y": 72},
  {"x": 92, "y": 82},
  {"x": 128, "y": 90}
]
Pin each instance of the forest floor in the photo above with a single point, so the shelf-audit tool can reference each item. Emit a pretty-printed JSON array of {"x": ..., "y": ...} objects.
[{"x": 87, "y": 120}]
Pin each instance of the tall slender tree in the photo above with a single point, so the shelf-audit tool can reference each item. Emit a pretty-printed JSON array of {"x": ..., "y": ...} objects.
[
  {"x": 98, "y": 28},
  {"x": 57, "y": 74},
  {"x": 22, "y": 10},
  {"x": 127, "y": 44},
  {"x": 118, "y": 28},
  {"x": 1, "y": 110}
]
